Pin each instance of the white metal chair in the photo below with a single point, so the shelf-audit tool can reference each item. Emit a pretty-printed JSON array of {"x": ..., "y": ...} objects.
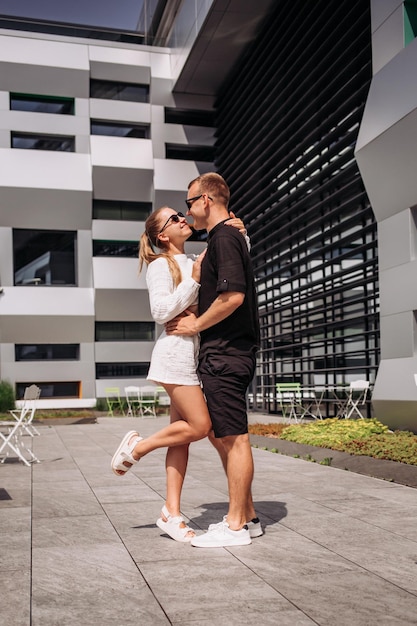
[
  {"x": 358, "y": 393},
  {"x": 148, "y": 397},
  {"x": 21, "y": 423},
  {"x": 132, "y": 400},
  {"x": 27, "y": 410},
  {"x": 164, "y": 401}
]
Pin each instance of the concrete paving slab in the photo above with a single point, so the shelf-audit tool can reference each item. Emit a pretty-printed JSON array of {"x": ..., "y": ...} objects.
[{"x": 339, "y": 548}]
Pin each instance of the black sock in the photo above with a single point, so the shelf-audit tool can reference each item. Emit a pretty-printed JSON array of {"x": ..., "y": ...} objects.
[{"x": 255, "y": 520}]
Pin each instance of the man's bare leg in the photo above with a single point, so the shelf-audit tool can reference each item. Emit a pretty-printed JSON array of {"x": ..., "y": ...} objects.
[
  {"x": 219, "y": 444},
  {"x": 239, "y": 464}
]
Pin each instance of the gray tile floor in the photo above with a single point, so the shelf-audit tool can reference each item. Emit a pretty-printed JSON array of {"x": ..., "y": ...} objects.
[{"x": 79, "y": 545}]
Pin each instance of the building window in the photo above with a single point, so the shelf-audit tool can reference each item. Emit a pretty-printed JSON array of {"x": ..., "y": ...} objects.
[
  {"x": 109, "y": 90},
  {"x": 44, "y": 257},
  {"x": 189, "y": 153},
  {"x": 410, "y": 21},
  {"x": 29, "y": 141},
  {"x": 47, "y": 352},
  {"x": 121, "y": 370},
  {"x": 125, "y": 331},
  {"x": 126, "y": 249},
  {"x": 189, "y": 117},
  {"x": 51, "y": 389},
  {"x": 120, "y": 210},
  {"x": 116, "y": 129},
  {"x": 41, "y": 104}
]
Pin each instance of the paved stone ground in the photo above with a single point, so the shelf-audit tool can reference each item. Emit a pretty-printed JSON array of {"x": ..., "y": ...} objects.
[{"x": 79, "y": 545}]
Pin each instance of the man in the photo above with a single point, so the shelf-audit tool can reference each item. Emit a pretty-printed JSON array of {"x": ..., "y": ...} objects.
[{"x": 229, "y": 330}]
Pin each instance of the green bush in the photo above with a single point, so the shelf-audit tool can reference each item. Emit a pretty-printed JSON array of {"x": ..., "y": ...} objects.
[
  {"x": 362, "y": 437},
  {"x": 7, "y": 397},
  {"x": 101, "y": 404}
]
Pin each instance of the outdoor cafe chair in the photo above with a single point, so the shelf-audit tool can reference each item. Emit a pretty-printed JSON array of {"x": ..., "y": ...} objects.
[
  {"x": 21, "y": 424},
  {"x": 132, "y": 400},
  {"x": 27, "y": 410},
  {"x": 358, "y": 393},
  {"x": 148, "y": 398},
  {"x": 113, "y": 400},
  {"x": 287, "y": 396}
]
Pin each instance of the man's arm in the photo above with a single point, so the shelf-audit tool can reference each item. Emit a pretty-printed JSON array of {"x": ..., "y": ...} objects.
[{"x": 223, "y": 306}]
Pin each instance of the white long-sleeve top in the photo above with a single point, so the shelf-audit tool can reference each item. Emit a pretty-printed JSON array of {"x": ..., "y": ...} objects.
[
  {"x": 166, "y": 301},
  {"x": 174, "y": 359}
]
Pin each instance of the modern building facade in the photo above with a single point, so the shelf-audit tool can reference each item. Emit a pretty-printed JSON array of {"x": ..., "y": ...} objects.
[
  {"x": 287, "y": 125},
  {"x": 94, "y": 134},
  {"x": 92, "y": 139},
  {"x": 387, "y": 157}
]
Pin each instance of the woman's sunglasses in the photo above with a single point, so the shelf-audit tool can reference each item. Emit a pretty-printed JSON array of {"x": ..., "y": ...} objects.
[{"x": 175, "y": 217}]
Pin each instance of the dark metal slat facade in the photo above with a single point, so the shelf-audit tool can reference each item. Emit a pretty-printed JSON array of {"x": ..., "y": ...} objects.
[{"x": 287, "y": 122}]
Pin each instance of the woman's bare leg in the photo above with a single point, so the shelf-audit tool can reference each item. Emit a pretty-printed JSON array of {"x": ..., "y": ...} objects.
[
  {"x": 176, "y": 465},
  {"x": 194, "y": 422}
]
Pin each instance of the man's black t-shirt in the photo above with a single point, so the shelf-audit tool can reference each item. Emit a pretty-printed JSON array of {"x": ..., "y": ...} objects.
[{"x": 227, "y": 267}]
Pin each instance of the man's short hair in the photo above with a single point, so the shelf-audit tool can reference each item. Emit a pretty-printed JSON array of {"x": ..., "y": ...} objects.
[{"x": 214, "y": 185}]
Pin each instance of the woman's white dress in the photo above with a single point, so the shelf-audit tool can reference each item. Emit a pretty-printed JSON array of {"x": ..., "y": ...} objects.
[{"x": 174, "y": 359}]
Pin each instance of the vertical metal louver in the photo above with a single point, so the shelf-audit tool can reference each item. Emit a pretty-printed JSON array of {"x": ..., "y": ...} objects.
[{"x": 287, "y": 123}]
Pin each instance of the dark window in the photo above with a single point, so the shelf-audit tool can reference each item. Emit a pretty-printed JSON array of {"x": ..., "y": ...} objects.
[
  {"x": 121, "y": 370},
  {"x": 190, "y": 117},
  {"x": 44, "y": 257},
  {"x": 47, "y": 352},
  {"x": 125, "y": 331},
  {"x": 125, "y": 249},
  {"x": 120, "y": 210},
  {"x": 41, "y": 104},
  {"x": 51, "y": 390},
  {"x": 110, "y": 90},
  {"x": 116, "y": 129},
  {"x": 189, "y": 153},
  {"x": 29, "y": 141}
]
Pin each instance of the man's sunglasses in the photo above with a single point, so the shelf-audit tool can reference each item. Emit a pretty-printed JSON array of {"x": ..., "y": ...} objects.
[
  {"x": 189, "y": 201},
  {"x": 175, "y": 217}
]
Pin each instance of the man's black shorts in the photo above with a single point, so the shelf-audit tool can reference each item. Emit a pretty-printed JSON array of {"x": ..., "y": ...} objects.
[{"x": 225, "y": 379}]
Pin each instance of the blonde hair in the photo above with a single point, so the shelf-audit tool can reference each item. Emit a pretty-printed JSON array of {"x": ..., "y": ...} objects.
[
  {"x": 213, "y": 185},
  {"x": 149, "y": 241}
]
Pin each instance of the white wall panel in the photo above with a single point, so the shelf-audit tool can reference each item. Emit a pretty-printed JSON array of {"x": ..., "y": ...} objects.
[
  {"x": 46, "y": 123},
  {"x": 115, "y": 273},
  {"x": 401, "y": 248},
  {"x": 41, "y": 66},
  {"x": 388, "y": 39},
  {"x": 59, "y": 301},
  {"x": 123, "y": 152},
  {"x": 47, "y": 328},
  {"x": 381, "y": 10},
  {"x": 398, "y": 287},
  {"x": 118, "y": 231},
  {"x": 116, "y": 111},
  {"x": 130, "y": 305},
  {"x": 42, "y": 169},
  {"x": 118, "y": 64},
  {"x": 123, "y": 352}
]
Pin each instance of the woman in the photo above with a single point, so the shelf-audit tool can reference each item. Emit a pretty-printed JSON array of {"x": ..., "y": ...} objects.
[{"x": 173, "y": 283}]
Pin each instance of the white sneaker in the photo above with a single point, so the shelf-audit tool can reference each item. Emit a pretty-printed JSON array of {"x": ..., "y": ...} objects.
[
  {"x": 255, "y": 528},
  {"x": 221, "y": 536}
]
